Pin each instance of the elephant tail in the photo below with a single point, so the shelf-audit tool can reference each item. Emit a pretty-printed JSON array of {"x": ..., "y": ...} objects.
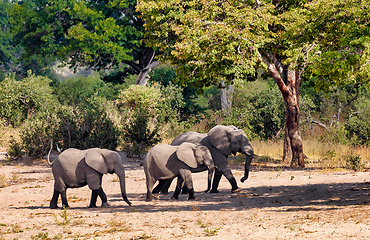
[{"x": 51, "y": 148}]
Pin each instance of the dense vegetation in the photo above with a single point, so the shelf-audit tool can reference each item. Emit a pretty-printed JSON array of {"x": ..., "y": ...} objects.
[{"x": 106, "y": 108}]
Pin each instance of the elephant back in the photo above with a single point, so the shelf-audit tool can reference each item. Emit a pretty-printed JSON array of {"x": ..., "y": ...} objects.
[{"x": 192, "y": 137}]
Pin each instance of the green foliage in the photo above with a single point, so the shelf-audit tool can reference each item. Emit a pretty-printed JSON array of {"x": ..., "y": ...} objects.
[
  {"x": 358, "y": 126},
  {"x": 88, "y": 125},
  {"x": 258, "y": 109},
  {"x": 98, "y": 34},
  {"x": 7, "y": 47},
  {"x": 140, "y": 96},
  {"x": 139, "y": 134},
  {"x": 354, "y": 162},
  {"x": 35, "y": 133},
  {"x": 64, "y": 216},
  {"x": 42, "y": 236},
  {"x": 14, "y": 150},
  {"x": 20, "y": 100},
  {"x": 186, "y": 96},
  {"x": 335, "y": 134}
]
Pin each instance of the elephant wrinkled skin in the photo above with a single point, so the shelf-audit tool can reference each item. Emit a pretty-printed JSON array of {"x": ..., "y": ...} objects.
[
  {"x": 77, "y": 168},
  {"x": 221, "y": 141},
  {"x": 165, "y": 162}
]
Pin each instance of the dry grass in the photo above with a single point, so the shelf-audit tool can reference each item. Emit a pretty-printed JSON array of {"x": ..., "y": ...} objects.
[{"x": 319, "y": 154}]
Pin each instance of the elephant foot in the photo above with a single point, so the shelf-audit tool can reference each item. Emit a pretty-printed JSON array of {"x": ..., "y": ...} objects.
[
  {"x": 173, "y": 199},
  {"x": 214, "y": 191},
  {"x": 148, "y": 199},
  {"x": 193, "y": 199},
  {"x": 105, "y": 205},
  {"x": 92, "y": 206},
  {"x": 155, "y": 195},
  {"x": 53, "y": 207},
  {"x": 236, "y": 190}
]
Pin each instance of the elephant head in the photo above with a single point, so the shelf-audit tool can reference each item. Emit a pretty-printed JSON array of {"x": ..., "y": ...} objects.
[
  {"x": 230, "y": 140},
  {"x": 196, "y": 155},
  {"x": 106, "y": 161}
]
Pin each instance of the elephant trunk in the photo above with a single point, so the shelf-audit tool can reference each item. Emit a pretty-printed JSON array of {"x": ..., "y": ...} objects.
[
  {"x": 248, "y": 150},
  {"x": 211, "y": 170},
  {"x": 51, "y": 148},
  {"x": 122, "y": 179}
]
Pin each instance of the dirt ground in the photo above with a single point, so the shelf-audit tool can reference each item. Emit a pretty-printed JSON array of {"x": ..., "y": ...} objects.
[{"x": 275, "y": 203}]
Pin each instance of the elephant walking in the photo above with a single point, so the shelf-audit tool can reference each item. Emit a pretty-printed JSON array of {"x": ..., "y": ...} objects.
[
  {"x": 221, "y": 141},
  {"x": 76, "y": 168},
  {"x": 165, "y": 162}
]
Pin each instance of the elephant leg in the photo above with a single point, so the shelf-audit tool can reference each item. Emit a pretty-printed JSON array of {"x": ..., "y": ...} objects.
[
  {"x": 180, "y": 182},
  {"x": 103, "y": 197},
  {"x": 94, "y": 197},
  {"x": 158, "y": 188},
  {"x": 63, "y": 195},
  {"x": 54, "y": 200},
  {"x": 186, "y": 175},
  {"x": 185, "y": 189},
  {"x": 166, "y": 186},
  {"x": 234, "y": 186},
  {"x": 229, "y": 176},
  {"x": 149, "y": 186},
  {"x": 216, "y": 181}
]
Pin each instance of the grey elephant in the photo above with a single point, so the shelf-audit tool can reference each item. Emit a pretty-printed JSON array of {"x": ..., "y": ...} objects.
[
  {"x": 222, "y": 141},
  {"x": 165, "y": 162},
  {"x": 77, "y": 168}
]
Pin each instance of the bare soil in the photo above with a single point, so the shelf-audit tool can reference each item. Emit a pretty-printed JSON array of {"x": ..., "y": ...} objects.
[{"x": 276, "y": 203}]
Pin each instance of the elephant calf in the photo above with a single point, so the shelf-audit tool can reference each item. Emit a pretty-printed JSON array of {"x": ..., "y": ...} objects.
[
  {"x": 77, "y": 168},
  {"x": 167, "y": 162}
]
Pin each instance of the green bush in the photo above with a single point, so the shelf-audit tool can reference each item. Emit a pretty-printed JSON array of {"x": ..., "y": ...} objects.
[
  {"x": 258, "y": 108},
  {"x": 36, "y": 133},
  {"x": 358, "y": 124},
  {"x": 20, "y": 100},
  {"x": 139, "y": 134},
  {"x": 14, "y": 150},
  {"x": 86, "y": 126},
  {"x": 335, "y": 134},
  {"x": 354, "y": 162}
]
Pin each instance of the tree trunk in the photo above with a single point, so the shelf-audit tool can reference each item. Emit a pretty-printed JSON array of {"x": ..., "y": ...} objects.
[
  {"x": 226, "y": 97},
  {"x": 290, "y": 91},
  {"x": 287, "y": 151}
]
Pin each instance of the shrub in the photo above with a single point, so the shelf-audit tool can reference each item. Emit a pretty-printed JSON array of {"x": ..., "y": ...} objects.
[
  {"x": 36, "y": 132},
  {"x": 23, "y": 99},
  {"x": 358, "y": 125},
  {"x": 87, "y": 126},
  {"x": 354, "y": 162},
  {"x": 140, "y": 134},
  {"x": 14, "y": 150},
  {"x": 335, "y": 134}
]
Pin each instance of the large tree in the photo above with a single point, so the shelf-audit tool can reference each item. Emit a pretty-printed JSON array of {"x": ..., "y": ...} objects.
[
  {"x": 99, "y": 35},
  {"x": 216, "y": 41}
]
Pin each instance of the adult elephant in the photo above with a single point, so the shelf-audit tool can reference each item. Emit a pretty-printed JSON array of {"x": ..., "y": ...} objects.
[
  {"x": 77, "y": 168},
  {"x": 222, "y": 141},
  {"x": 165, "y": 162}
]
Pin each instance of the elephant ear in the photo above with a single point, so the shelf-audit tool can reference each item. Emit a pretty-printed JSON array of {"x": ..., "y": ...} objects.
[
  {"x": 96, "y": 161},
  {"x": 185, "y": 153},
  {"x": 219, "y": 138}
]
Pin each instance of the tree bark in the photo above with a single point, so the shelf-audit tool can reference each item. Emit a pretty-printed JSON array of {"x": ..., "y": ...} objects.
[
  {"x": 287, "y": 151},
  {"x": 226, "y": 97},
  {"x": 290, "y": 91}
]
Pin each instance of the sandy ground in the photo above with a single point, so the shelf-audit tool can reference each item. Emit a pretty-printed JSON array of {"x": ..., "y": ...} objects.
[{"x": 275, "y": 203}]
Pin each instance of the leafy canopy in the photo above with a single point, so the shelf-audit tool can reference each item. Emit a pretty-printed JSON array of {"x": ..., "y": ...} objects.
[
  {"x": 96, "y": 34},
  {"x": 216, "y": 40}
]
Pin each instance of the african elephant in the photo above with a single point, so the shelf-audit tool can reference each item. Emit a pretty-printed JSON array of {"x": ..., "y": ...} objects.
[
  {"x": 164, "y": 162},
  {"x": 222, "y": 141},
  {"x": 77, "y": 168}
]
